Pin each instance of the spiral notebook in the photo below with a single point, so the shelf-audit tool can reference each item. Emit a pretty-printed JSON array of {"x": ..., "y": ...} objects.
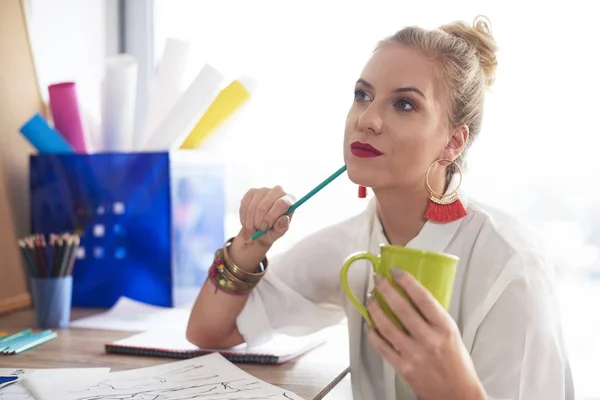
[{"x": 166, "y": 343}]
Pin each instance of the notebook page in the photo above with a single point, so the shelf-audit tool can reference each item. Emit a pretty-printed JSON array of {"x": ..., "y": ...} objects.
[{"x": 282, "y": 346}]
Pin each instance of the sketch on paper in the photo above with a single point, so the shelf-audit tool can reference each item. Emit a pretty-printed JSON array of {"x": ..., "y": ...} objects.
[{"x": 207, "y": 377}]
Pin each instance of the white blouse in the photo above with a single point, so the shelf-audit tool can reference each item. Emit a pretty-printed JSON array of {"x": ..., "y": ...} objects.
[{"x": 504, "y": 302}]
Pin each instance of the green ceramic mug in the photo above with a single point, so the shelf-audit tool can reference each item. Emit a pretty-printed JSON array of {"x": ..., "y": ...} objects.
[{"x": 435, "y": 271}]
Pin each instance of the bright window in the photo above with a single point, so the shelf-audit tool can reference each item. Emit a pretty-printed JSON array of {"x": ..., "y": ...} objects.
[{"x": 536, "y": 156}]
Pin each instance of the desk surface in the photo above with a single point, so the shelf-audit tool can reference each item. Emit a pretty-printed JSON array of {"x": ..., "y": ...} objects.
[{"x": 310, "y": 376}]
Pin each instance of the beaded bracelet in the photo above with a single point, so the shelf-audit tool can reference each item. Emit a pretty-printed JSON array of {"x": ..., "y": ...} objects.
[{"x": 228, "y": 277}]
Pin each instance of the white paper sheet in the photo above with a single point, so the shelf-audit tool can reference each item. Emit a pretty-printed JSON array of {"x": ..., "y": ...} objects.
[
  {"x": 119, "y": 99},
  {"x": 131, "y": 315},
  {"x": 57, "y": 376},
  {"x": 211, "y": 377},
  {"x": 182, "y": 117}
]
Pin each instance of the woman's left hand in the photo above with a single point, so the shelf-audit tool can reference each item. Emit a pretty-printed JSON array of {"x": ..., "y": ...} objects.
[{"x": 431, "y": 357}]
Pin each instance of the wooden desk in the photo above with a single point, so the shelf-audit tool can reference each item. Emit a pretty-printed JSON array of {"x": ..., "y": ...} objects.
[{"x": 310, "y": 376}]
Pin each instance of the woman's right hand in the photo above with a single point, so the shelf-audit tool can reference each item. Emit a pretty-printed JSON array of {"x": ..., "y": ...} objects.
[
  {"x": 260, "y": 208},
  {"x": 213, "y": 321},
  {"x": 264, "y": 209}
]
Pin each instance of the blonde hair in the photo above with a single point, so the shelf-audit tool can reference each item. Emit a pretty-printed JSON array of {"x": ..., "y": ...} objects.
[{"x": 466, "y": 58}]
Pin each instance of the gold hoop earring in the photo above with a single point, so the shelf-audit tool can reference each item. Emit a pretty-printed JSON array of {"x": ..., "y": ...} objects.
[{"x": 444, "y": 208}]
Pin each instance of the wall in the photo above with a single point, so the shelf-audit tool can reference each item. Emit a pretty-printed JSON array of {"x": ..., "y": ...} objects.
[
  {"x": 70, "y": 41},
  {"x": 19, "y": 98}
]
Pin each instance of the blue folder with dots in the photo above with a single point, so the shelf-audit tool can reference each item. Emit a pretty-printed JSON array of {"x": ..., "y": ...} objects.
[{"x": 149, "y": 222}]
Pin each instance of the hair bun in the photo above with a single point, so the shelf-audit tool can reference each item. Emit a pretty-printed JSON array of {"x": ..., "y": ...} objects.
[
  {"x": 483, "y": 24},
  {"x": 479, "y": 36}
]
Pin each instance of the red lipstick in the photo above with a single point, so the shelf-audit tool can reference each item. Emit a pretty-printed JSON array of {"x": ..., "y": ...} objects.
[{"x": 364, "y": 150}]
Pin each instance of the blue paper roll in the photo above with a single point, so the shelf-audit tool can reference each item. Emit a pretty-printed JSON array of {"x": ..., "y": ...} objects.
[{"x": 43, "y": 137}]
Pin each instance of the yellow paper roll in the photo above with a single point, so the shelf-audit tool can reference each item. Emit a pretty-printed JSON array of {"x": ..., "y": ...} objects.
[{"x": 224, "y": 106}]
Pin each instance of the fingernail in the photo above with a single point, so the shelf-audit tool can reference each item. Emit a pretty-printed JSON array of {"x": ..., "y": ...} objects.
[
  {"x": 285, "y": 221},
  {"x": 397, "y": 272},
  {"x": 377, "y": 279},
  {"x": 264, "y": 226}
]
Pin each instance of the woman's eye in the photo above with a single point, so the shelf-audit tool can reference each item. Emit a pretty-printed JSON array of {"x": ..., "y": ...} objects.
[
  {"x": 360, "y": 95},
  {"x": 404, "y": 105}
]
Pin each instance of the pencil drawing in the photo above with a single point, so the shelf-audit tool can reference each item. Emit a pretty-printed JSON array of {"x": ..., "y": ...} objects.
[
  {"x": 185, "y": 375},
  {"x": 209, "y": 377}
]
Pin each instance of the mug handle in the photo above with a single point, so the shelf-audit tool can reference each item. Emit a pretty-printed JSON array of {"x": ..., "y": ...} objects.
[{"x": 363, "y": 255}]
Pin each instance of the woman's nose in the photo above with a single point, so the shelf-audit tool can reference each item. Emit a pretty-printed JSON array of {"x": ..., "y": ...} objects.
[{"x": 370, "y": 120}]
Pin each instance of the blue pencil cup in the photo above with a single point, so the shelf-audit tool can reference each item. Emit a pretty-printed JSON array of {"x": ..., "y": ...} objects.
[{"x": 52, "y": 301}]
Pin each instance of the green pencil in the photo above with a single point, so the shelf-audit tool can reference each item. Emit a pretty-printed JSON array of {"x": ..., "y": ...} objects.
[{"x": 307, "y": 196}]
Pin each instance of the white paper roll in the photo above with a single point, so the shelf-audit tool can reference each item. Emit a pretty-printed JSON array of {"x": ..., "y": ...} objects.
[
  {"x": 177, "y": 124},
  {"x": 92, "y": 130},
  {"x": 119, "y": 97},
  {"x": 166, "y": 86}
]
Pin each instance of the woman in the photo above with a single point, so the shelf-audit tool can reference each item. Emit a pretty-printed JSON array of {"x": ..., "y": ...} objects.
[{"x": 417, "y": 107}]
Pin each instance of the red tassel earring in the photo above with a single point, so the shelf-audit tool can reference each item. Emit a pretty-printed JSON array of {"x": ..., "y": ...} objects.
[
  {"x": 362, "y": 192},
  {"x": 444, "y": 208}
]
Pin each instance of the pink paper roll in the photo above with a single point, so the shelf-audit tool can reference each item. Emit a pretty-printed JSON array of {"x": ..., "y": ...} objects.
[{"x": 65, "y": 112}]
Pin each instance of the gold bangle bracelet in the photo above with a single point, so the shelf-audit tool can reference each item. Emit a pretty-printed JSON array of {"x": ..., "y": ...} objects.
[
  {"x": 229, "y": 277},
  {"x": 240, "y": 273}
]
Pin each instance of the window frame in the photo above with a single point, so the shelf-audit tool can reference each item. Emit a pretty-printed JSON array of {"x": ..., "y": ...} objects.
[{"x": 130, "y": 29}]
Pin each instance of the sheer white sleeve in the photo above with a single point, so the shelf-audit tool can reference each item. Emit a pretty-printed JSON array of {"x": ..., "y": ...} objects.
[{"x": 300, "y": 292}]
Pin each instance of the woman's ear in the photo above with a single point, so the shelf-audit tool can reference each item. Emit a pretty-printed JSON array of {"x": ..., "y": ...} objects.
[{"x": 456, "y": 142}]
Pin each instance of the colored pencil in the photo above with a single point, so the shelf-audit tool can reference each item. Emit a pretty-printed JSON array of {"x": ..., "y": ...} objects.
[
  {"x": 53, "y": 258},
  {"x": 307, "y": 196},
  {"x": 28, "y": 341}
]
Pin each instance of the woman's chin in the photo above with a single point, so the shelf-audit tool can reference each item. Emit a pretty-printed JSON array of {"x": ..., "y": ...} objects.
[
  {"x": 361, "y": 178},
  {"x": 361, "y": 174}
]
